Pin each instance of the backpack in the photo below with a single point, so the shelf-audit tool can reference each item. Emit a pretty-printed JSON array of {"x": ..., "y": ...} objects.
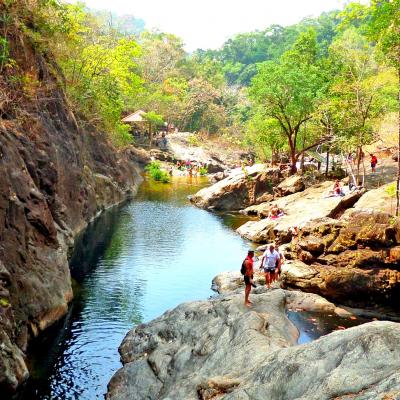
[{"x": 243, "y": 267}]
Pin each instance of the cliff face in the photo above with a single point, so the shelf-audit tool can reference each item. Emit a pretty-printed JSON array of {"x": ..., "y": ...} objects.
[{"x": 54, "y": 178}]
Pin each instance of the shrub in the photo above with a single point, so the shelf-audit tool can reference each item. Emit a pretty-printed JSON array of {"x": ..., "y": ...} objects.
[
  {"x": 391, "y": 189},
  {"x": 194, "y": 141},
  {"x": 157, "y": 173},
  {"x": 203, "y": 171}
]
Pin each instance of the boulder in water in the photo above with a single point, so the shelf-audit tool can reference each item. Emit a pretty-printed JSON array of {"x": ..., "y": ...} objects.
[{"x": 240, "y": 189}]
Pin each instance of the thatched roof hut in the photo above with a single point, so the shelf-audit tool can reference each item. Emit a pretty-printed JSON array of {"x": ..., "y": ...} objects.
[{"x": 136, "y": 117}]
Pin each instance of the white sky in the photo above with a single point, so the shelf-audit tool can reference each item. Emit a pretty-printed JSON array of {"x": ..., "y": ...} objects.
[{"x": 208, "y": 23}]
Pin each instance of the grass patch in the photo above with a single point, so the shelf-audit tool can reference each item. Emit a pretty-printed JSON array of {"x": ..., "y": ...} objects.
[{"x": 157, "y": 173}]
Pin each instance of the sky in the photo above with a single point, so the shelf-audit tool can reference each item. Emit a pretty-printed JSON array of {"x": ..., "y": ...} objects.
[{"x": 209, "y": 23}]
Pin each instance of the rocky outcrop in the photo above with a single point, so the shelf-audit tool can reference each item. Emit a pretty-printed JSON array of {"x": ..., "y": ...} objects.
[
  {"x": 379, "y": 199},
  {"x": 217, "y": 156},
  {"x": 291, "y": 185},
  {"x": 200, "y": 348},
  {"x": 240, "y": 189},
  {"x": 299, "y": 208},
  {"x": 333, "y": 367},
  {"x": 220, "y": 349},
  {"x": 55, "y": 177},
  {"x": 355, "y": 259}
]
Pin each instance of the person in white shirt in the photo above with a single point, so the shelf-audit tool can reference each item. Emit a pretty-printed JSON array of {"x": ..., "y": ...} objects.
[{"x": 270, "y": 262}]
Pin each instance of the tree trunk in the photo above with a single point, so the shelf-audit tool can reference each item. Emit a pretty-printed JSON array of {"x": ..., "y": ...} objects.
[
  {"x": 327, "y": 162},
  {"x": 303, "y": 155},
  {"x": 359, "y": 156},
  {"x": 398, "y": 144},
  {"x": 150, "y": 135},
  {"x": 293, "y": 158}
]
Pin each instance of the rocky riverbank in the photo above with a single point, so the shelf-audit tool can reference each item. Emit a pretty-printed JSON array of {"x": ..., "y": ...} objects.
[
  {"x": 55, "y": 177},
  {"x": 345, "y": 248},
  {"x": 220, "y": 349}
]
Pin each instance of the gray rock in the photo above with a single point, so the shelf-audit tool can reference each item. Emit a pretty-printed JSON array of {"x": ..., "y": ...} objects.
[
  {"x": 358, "y": 363},
  {"x": 299, "y": 208},
  {"x": 201, "y": 347},
  {"x": 291, "y": 185},
  {"x": 238, "y": 190},
  {"x": 221, "y": 349}
]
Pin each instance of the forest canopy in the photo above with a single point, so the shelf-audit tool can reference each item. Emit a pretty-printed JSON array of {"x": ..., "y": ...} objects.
[{"x": 328, "y": 80}]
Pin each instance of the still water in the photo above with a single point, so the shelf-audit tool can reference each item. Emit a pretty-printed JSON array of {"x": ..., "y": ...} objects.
[{"x": 131, "y": 265}]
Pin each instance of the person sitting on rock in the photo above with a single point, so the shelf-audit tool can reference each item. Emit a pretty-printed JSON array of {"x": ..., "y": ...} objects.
[
  {"x": 248, "y": 277},
  {"x": 270, "y": 260},
  {"x": 275, "y": 212},
  {"x": 336, "y": 190}
]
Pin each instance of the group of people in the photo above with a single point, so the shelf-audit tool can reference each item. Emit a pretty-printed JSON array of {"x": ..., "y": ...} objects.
[
  {"x": 352, "y": 158},
  {"x": 271, "y": 265},
  {"x": 189, "y": 168}
]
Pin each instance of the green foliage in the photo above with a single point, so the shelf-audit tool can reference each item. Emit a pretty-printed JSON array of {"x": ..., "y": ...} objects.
[
  {"x": 155, "y": 171},
  {"x": 153, "y": 118},
  {"x": 288, "y": 90},
  {"x": 194, "y": 141},
  {"x": 4, "y": 52},
  {"x": 360, "y": 90},
  {"x": 4, "y": 302},
  {"x": 203, "y": 171},
  {"x": 391, "y": 189}
]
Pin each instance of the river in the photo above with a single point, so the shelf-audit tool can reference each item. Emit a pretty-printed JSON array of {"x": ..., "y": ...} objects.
[{"x": 132, "y": 264}]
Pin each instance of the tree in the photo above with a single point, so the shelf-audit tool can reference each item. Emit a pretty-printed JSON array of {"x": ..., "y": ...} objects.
[
  {"x": 357, "y": 91},
  {"x": 289, "y": 91},
  {"x": 154, "y": 121},
  {"x": 384, "y": 27},
  {"x": 264, "y": 135}
]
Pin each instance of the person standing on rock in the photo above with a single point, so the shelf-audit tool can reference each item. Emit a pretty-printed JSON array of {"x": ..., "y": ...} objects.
[
  {"x": 248, "y": 276},
  {"x": 270, "y": 260},
  {"x": 374, "y": 161}
]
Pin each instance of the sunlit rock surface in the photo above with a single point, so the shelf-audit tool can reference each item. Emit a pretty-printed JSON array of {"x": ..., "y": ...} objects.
[
  {"x": 221, "y": 349},
  {"x": 240, "y": 189}
]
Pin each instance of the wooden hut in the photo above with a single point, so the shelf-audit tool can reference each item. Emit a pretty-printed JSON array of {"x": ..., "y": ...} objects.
[{"x": 138, "y": 123}]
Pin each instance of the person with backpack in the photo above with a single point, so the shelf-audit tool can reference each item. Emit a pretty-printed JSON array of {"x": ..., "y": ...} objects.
[{"x": 247, "y": 272}]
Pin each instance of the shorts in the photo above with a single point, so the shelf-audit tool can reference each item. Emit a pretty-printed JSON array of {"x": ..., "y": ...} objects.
[
  {"x": 269, "y": 269},
  {"x": 373, "y": 165},
  {"x": 247, "y": 279}
]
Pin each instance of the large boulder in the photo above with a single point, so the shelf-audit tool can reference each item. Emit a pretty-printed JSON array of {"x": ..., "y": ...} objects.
[
  {"x": 220, "y": 349},
  {"x": 354, "y": 260},
  {"x": 240, "y": 189},
  {"x": 201, "y": 348},
  {"x": 379, "y": 199},
  {"x": 291, "y": 185},
  {"x": 359, "y": 363},
  {"x": 299, "y": 208}
]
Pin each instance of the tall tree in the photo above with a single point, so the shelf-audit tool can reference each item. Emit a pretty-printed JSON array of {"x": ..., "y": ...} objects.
[
  {"x": 289, "y": 91},
  {"x": 385, "y": 29},
  {"x": 357, "y": 91}
]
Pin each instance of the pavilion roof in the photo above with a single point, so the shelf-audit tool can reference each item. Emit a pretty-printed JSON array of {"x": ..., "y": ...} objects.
[{"x": 137, "y": 116}]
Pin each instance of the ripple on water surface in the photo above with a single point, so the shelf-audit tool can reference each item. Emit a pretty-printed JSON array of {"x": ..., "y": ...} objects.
[{"x": 132, "y": 264}]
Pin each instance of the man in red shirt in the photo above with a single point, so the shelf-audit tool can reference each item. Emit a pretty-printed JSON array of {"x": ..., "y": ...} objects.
[
  {"x": 374, "y": 161},
  {"x": 248, "y": 277}
]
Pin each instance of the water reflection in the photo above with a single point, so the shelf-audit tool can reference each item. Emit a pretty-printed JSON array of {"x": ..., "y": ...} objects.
[{"x": 130, "y": 266}]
